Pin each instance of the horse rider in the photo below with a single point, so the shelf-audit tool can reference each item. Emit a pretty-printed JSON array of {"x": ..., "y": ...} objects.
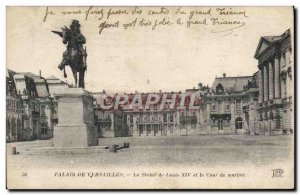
[{"x": 74, "y": 39}]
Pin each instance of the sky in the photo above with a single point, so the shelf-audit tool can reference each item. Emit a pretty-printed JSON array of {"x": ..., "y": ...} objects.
[{"x": 169, "y": 58}]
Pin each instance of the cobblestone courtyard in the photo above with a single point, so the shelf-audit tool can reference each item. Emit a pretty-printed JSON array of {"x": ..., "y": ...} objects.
[{"x": 182, "y": 150}]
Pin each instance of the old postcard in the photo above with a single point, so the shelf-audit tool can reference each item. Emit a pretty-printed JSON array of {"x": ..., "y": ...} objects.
[{"x": 150, "y": 97}]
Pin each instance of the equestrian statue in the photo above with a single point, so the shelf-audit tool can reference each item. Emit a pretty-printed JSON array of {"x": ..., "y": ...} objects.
[{"x": 74, "y": 56}]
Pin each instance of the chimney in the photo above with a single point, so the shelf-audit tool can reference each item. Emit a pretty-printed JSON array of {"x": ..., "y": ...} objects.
[
  {"x": 224, "y": 75},
  {"x": 200, "y": 85},
  {"x": 40, "y": 72}
]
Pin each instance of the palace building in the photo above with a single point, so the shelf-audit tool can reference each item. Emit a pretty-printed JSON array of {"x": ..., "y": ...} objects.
[
  {"x": 30, "y": 107},
  {"x": 37, "y": 106},
  {"x": 150, "y": 121},
  {"x": 276, "y": 84},
  {"x": 14, "y": 110},
  {"x": 222, "y": 105}
]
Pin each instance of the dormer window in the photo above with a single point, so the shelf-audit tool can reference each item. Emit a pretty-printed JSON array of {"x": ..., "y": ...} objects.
[{"x": 219, "y": 88}]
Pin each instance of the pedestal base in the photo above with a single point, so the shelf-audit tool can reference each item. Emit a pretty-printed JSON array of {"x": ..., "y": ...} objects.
[
  {"x": 75, "y": 136},
  {"x": 75, "y": 126}
]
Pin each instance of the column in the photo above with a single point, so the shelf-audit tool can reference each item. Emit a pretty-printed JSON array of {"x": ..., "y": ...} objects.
[
  {"x": 152, "y": 129},
  {"x": 232, "y": 112},
  {"x": 266, "y": 88},
  {"x": 282, "y": 82},
  {"x": 177, "y": 118},
  {"x": 112, "y": 127},
  {"x": 208, "y": 115},
  {"x": 271, "y": 82},
  {"x": 288, "y": 86},
  {"x": 288, "y": 57},
  {"x": 288, "y": 80},
  {"x": 252, "y": 116},
  {"x": 277, "y": 77},
  {"x": 200, "y": 118},
  {"x": 260, "y": 86}
]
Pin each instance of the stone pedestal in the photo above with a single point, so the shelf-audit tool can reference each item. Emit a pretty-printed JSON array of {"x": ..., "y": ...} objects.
[{"x": 75, "y": 126}]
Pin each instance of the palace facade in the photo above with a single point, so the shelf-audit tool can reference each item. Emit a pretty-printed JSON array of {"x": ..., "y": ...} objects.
[
  {"x": 223, "y": 105},
  {"x": 14, "y": 110},
  {"x": 150, "y": 121},
  {"x": 30, "y": 107},
  {"x": 276, "y": 84}
]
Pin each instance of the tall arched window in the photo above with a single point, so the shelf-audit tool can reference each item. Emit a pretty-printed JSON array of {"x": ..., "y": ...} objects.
[
  {"x": 8, "y": 125},
  {"x": 239, "y": 123},
  {"x": 13, "y": 126}
]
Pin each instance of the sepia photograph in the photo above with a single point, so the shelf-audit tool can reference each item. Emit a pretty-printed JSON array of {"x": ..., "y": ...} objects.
[{"x": 150, "y": 97}]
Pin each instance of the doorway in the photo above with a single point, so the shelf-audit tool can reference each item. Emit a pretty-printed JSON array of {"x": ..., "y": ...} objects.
[{"x": 220, "y": 124}]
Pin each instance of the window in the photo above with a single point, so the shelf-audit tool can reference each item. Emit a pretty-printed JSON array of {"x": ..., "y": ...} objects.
[
  {"x": 171, "y": 128},
  {"x": 44, "y": 128},
  {"x": 227, "y": 107},
  {"x": 213, "y": 107},
  {"x": 171, "y": 118},
  {"x": 147, "y": 117},
  {"x": 193, "y": 125},
  {"x": 131, "y": 118},
  {"x": 239, "y": 123},
  {"x": 238, "y": 105},
  {"x": 220, "y": 88},
  {"x": 165, "y": 117},
  {"x": 219, "y": 106},
  {"x": 43, "y": 110},
  {"x": 141, "y": 129}
]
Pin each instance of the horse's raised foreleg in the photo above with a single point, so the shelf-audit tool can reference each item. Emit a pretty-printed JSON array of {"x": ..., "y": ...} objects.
[{"x": 63, "y": 63}]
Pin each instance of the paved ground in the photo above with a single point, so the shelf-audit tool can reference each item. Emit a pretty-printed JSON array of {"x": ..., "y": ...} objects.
[{"x": 181, "y": 150}]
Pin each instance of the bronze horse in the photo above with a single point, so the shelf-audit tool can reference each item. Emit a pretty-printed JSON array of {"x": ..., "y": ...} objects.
[{"x": 72, "y": 57}]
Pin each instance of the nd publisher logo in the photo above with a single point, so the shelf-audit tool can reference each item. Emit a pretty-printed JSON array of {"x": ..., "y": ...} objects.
[{"x": 277, "y": 172}]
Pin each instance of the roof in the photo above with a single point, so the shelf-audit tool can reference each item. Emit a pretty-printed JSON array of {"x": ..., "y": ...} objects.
[
  {"x": 266, "y": 41},
  {"x": 272, "y": 39},
  {"x": 54, "y": 80},
  {"x": 42, "y": 90},
  {"x": 195, "y": 89},
  {"x": 232, "y": 83},
  {"x": 52, "y": 77},
  {"x": 29, "y": 74},
  {"x": 10, "y": 73},
  {"x": 40, "y": 84}
]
